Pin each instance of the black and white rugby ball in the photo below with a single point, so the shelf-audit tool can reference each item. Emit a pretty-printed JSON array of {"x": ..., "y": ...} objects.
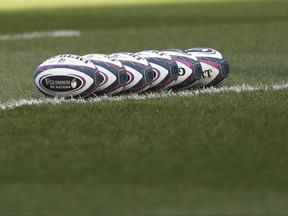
[
  {"x": 189, "y": 70},
  {"x": 114, "y": 77},
  {"x": 140, "y": 72},
  {"x": 66, "y": 76},
  {"x": 165, "y": 68},
  {"x": 215, "y": 66}
]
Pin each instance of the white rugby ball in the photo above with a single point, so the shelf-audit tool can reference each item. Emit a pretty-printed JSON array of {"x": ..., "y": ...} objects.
[
  {"x": 165, "y": 68},
  {"x": 66, "y": 76},
  {"x": 113, "y": 75},
  {"x": 140, "y": 72},
  {"x": 215, "y": 66},
  {"x": 189, "y": 70}
]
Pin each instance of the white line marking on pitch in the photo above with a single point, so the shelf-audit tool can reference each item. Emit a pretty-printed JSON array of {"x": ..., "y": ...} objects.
[
  {"x": 34, "y": 35},
  {"x": 12, "y": 104}
]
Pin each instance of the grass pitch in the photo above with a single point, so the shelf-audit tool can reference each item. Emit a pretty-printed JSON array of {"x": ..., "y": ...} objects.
[{"x": 207, "y": 155}]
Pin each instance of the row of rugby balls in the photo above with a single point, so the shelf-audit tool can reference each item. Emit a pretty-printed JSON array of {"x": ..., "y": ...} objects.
[{"x": 123, "y": 73}]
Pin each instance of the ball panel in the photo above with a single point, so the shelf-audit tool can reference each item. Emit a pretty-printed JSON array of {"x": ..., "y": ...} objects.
[
  {"x": 165, "y": 68},
  {"x": 141, "y": 74},
  {"x": 64, "y": 82},
  {"x": 68, "y": 59},
  {"x": 215, "y": 66},
  {"x": 66, "y": 76},
  {"x": 114, "y": 75},
  {"x": 189, "y": 70},
  {"x": 205, "y": 52},
  {"x": 136, "y": 81}
]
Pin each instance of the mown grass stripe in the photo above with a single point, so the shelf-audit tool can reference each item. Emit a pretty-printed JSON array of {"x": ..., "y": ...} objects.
[{"x": 34, "y": 35}]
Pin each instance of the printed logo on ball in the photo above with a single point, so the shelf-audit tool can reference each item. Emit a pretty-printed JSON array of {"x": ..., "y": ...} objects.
[
  {"x": 61, "y": 83},
  {"x": 210, "y": 72}
]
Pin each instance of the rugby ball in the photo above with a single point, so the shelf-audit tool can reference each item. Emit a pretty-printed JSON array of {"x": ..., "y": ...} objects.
[
  {"x": 215, "y": 67},
  {"x": 66, "y": 76},
  {"x": 165, "y": 68},
  {"x": 140, "y": 72},
  {"x": 113, "y": 75},
  {"x": 189, "y": 70}
]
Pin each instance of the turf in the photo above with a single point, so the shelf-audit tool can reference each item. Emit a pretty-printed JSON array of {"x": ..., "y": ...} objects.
[
  {"x": 208, "y": 155},
  {"x": 7, "y": 5},
  {"x": 183, "y": 156}
]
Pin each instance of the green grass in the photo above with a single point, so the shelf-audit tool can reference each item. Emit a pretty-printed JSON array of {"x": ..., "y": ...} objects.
[
  {"x": 207, "y": 155},
  {"x": 148, "y": 157},
  {"x": 8, "y": 5},
  {"x": 139, "y": 16}
]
